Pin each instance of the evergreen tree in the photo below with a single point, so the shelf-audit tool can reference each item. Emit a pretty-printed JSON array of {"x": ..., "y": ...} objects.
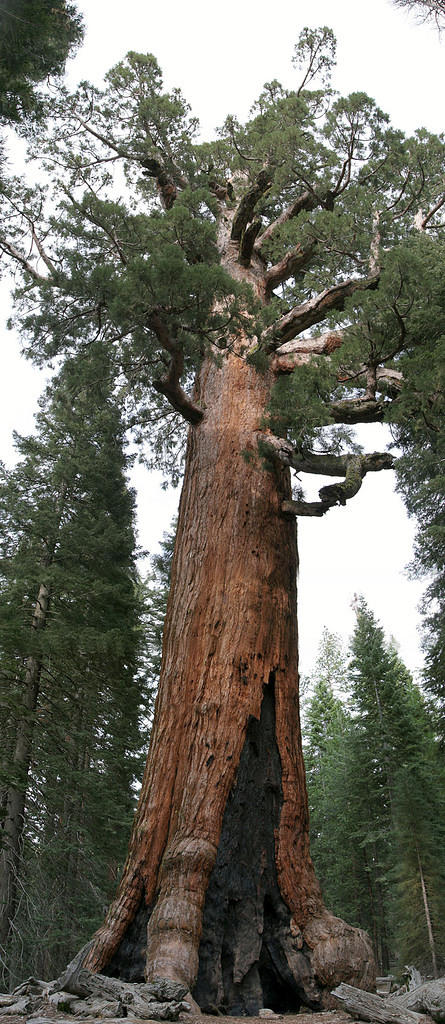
[
  {"x": 218, "y": 267},
  {"x": 376, "y": 796},
  {"x": 393, "y": 755},
  {"x": 326, "y": 750},
  {"x": 36, "y": 38},
  {"x": 419, "y": 836},
  {"x": 69, "y": 646},
  {"x": 155, "y": 591},
  {"x": 421, "y": 479}
]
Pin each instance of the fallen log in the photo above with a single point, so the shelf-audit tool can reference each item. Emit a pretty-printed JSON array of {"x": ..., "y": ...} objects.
[
  {"x": 370, "y": 1007},
  {"x": 85, "y": 994},
  {"x": 429, "y": 997}
]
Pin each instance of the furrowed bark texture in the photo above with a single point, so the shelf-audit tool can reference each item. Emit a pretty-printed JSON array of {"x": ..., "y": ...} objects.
[{"x": 223, "y": 775}]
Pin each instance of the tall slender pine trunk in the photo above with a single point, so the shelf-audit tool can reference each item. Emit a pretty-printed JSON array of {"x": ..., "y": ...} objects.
[
  {"x": 219, "y": 889},
  {"x": 426, "y": 909}
]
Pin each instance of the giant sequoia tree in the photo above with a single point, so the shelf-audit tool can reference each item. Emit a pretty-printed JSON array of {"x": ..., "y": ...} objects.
[{"x": 263, "y": 289}]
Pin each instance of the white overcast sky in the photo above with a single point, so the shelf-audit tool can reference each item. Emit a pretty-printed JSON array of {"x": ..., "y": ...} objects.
[{"x": 220, "y": 55}]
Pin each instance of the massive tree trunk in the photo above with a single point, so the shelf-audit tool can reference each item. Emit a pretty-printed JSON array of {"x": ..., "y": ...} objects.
[{"x": 219, "y": 866}]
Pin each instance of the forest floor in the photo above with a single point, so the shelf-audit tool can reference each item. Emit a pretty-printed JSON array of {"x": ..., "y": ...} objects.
[{"x": 303, "y": 1017}]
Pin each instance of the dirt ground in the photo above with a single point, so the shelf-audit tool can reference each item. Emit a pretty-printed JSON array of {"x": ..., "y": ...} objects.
[{"x": 304, "y": 1017}]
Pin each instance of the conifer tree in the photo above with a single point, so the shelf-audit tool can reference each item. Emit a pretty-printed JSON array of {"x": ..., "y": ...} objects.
[
  {"x": 401, "y": 817},
  {"x": 36, "y": 37},
  {"x": 418, "y": 872},
  {"x": 69, "y": 627},
  {"x": 262, "y": 288},
  {"x": 326, "y": 734}
]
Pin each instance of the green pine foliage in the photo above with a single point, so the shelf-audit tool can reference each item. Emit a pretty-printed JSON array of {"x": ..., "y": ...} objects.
[
  {"x": 326, "y": 747},
  {"x": 375, "y": 784},
  {"x": 154, "y": 593},
  {"x": 67, "y": 513},
  {"x": 36, "y": 38}
]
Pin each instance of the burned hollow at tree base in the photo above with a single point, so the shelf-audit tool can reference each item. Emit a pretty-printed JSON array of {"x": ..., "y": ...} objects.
[
  {"x": 242, "y": 959},
  {"x": 246, "y": 935},
  {"x": 251, "y": 953}
]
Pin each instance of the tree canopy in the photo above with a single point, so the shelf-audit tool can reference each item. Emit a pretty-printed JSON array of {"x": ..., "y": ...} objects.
[
  {"x": 36, "y": 38},
  {"x": 342, "y": 211}
]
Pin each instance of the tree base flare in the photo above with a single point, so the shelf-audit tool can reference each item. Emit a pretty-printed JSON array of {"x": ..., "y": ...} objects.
[{"x": 253, "y": 953}]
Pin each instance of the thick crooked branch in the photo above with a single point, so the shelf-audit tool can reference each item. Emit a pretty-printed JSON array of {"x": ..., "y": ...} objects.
[
  {"x": 367, "y": 408},
  {"x": 169, "y": 386},
  {"x": 314, "y": 311},
  {"x": 293, "y": 261},
  {"x": 307, "y": 201},
  {"x": 246, "y": 207},
  {"x": 353, "y": 468}
]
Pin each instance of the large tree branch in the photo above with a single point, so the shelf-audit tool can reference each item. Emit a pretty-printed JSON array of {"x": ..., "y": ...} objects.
[
  {"x": 314, "y": 311},
  {"x": 307, "y": 201},
  {"x": 301, "y": 350},
  {"x": 246, "y": 207},
  {"x": 352, "y": 467},
  {"x": 21, "y": 259},
  {"x": 358, "y": 410},
  {"x": 392, "y": 378},
  {"x": 169, "y": 385},
  {"x": 294, "y": 261},
  {"x": 152, "y": 167}
]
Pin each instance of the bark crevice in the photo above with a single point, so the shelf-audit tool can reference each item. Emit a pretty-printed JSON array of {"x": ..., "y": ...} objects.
[{"x": 246, "y": 936}]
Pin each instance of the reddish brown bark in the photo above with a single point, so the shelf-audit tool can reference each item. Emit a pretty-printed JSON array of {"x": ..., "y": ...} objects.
[
  {"x": 230, "y": 632},
  {"x": 230, "y": 636}
]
